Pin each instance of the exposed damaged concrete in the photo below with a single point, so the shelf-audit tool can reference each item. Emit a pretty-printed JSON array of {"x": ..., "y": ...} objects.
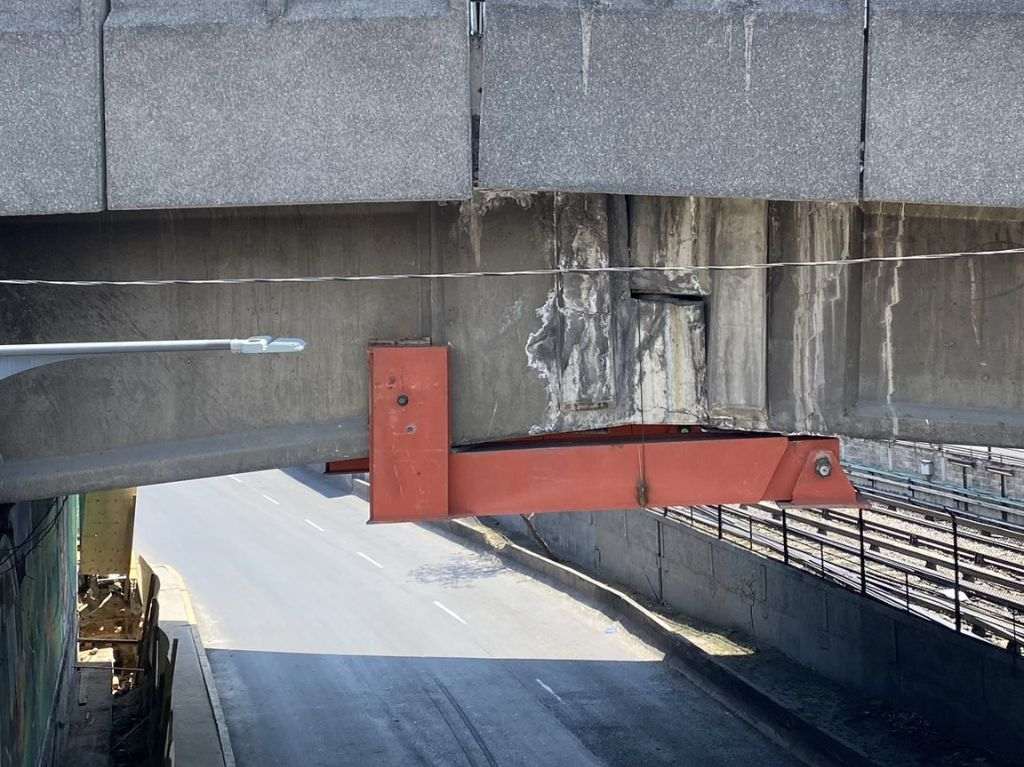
[
  {"x": 672, "y": 370},
  {"x": 726, "y": 366},
  {"x": 573, "y": 349}
]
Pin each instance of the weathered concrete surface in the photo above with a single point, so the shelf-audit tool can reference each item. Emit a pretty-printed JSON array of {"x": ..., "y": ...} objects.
[
  {"x": 939, "y": 344},
  {"x": 945, "y": 107},
  {"x": 51, "y": 135},
  {"x": 242, "y": 102},
  {"x": 728, "y": 308},
  {"x": 814, "y": 321},
  {"x": 530, "y": 354},
  {"x": 973, "y": 689},
  {"x": 737, "y": 99},
  {"x": 200, "y": 103},
  {"x": 925, "y": 351},
  {"x": 520, "y": 363},
  {"x": 214, "y": 407}
]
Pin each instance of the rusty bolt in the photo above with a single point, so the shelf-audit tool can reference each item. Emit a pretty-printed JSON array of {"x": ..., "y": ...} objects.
[
  {"x": 403, "y": 400},
  {"x": 823, "y": 467}
]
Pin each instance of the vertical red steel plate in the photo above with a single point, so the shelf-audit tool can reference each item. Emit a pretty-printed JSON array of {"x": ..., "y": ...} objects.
[{"x": 409, "y": 433}]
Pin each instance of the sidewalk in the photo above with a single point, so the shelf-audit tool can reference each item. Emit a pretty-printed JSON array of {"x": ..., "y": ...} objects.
[{"x": 200, "y": 733}]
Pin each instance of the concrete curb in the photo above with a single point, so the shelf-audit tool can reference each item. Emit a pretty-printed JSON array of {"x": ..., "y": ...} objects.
[
  {"x": 227, "y": 753},
  {"x": 799, "y": 737}
]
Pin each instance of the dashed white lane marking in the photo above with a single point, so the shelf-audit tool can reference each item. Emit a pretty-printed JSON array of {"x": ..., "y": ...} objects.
[
  {"x": 271, "y": 499},
  {"x": 548, "y": 689},
  {"x": 236, "y": 479},
  {"x": 371, "y": 560},
  {"x": 314, "y": 524},
  {"x": 454, "y": 615}
]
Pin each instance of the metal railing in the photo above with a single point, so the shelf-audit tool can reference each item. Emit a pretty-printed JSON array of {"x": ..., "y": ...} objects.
[
  {"x": 886, "y": 486},
  {"x": 947, "y": 567}
]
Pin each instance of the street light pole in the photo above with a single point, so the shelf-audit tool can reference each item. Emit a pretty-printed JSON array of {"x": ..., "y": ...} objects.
[{"x": 17, "y": 358}]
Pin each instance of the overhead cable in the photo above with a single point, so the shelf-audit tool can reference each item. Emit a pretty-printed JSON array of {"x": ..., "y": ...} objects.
[{"x": 586, "y": 270}]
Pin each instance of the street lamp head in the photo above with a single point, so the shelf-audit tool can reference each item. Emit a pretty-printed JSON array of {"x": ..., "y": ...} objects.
[{"x": 267, "y": 345}]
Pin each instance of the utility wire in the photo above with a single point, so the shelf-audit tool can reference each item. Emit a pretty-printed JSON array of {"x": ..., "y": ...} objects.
[
  {"x": 36, "y": 536},
  {"x": 517, "y": 273}
]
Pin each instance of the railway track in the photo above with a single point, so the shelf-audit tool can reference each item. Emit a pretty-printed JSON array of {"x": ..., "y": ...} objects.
[
  {"x": 923, "y": 494},
  {"x": 952, "y": 567}
]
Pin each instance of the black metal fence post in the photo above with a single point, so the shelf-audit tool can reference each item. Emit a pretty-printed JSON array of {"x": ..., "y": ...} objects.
[
  {"x": 785, "y": 539},
  {"x": 719, "y": 521},
  {"x": 821, "y": 552},
  {"x": 956, "y": 575},
  {"x": 906, "y": 586},
  {"x": 863, "y": 561}
]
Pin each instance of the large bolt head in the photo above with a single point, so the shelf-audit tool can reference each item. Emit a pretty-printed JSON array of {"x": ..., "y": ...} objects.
[{"x": 823, "y": 467}]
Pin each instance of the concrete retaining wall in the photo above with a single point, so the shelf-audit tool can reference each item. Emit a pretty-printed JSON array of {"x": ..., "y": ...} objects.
[
  {"x": 977, "y": 476},
  {"x": 959, "y": 683}
]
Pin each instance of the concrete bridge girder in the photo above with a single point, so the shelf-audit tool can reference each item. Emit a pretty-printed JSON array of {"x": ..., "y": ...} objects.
[
  {"x": 922, "y": 350},
  {"x": 530, "y": 353},
  {"x": 927, "y": 350}
]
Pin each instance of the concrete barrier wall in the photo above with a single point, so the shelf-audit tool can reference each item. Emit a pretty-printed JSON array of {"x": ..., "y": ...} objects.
[{"x": 961, "y": 684}]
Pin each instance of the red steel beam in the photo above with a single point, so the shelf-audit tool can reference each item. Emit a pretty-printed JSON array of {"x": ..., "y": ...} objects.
[
  {"x": 416, "y": 476},
  {"x": 350, "y": 466}
]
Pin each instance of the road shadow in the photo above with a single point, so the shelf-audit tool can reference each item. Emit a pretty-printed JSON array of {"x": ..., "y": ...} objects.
[
  {"x": 460, "y": 570},
  {"x": 327, "y": 485},
  {"x": 317, "y": 710}
]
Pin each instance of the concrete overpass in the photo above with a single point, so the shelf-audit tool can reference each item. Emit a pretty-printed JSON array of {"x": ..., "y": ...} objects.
[{"x": 242, "y": 139}]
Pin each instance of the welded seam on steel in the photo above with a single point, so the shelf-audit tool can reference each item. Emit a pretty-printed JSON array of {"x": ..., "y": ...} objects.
[{"x": 516, "y": 273}]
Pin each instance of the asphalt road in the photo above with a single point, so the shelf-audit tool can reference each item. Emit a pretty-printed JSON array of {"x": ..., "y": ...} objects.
[{"x": 337, "y": 643}]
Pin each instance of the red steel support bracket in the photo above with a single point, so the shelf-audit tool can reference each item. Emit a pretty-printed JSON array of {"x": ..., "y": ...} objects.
[
  {"x": 409, "y": 438},
  {"x": 415, "y": 475}
]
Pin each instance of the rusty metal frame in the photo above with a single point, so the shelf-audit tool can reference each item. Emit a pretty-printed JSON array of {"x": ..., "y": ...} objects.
[{"x": 417, "y": 476}]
